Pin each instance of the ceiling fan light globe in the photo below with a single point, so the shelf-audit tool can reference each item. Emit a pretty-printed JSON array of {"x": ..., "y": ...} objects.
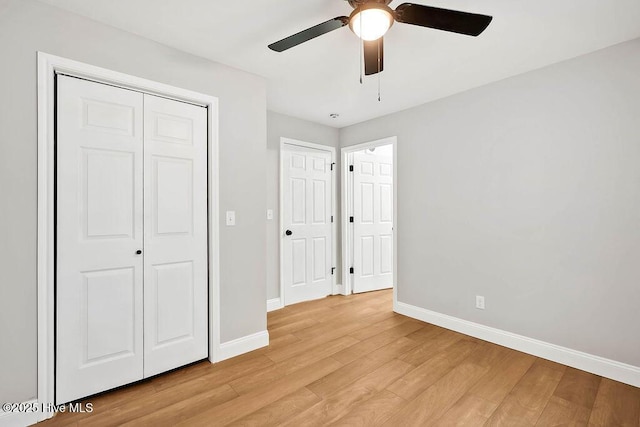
[{"x": 371, "y": 23}]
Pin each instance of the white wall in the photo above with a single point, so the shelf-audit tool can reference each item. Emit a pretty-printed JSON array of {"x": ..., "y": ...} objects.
[
  {"x": 279, "y": 125},
  {"x": 527, "y": 191},
  {"x": 27, "y": 26}
]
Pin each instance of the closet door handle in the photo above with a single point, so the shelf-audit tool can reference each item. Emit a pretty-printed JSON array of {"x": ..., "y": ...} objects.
[
  {"x": 288, "y": 232},
  {"x": 139, "y": 252}
]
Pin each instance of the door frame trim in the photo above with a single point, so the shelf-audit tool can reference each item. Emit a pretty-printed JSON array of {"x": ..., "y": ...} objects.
[
  {"x": 334, "y": 245},
  {"x": 48, "y": 67},
  {"x": 347, "y": 197}
]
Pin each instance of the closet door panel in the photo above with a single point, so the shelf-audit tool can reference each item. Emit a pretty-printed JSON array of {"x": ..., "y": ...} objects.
[
  {"x": 175, "y": 259},
  {"x": 99, "y": 220}
]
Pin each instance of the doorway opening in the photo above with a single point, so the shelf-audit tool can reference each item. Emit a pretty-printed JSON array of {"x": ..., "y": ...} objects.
[{"x": 369, "y": 216}]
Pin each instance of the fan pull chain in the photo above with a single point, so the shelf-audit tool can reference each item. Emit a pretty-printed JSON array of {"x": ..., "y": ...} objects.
[
  {"x": 379, "y": 72},
  {"x": 361, "y": 61},
  {"x": 361, "y": 52}
]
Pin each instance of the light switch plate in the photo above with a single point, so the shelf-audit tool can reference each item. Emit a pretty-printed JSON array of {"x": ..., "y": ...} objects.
[
  {"x": 269, "y": 213},
  {"x": 231, "y": 217}
]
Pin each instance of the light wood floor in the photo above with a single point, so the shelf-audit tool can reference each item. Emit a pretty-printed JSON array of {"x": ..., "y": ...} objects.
[{"x": 351, "y": 361}]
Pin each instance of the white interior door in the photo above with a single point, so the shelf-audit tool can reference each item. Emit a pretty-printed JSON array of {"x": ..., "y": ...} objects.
[
  {"x": 307, "y": 233},
  {"x": 175, "y": 236},
  {"x": 99, "y": 276},
  {"x": 372, "y": 219}
]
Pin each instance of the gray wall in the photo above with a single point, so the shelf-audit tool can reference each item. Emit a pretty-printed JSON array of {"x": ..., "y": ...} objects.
[
  {"x": 527, "y": 191},
  {"x": 279, "y": 125},
  {"x": 26, "y": 27}
]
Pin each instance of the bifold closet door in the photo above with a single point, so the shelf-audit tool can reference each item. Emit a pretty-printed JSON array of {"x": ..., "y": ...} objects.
[
  {"x": 99, "y": 220},
  {"x": 175, "y": 242},
  {"x": 131, "y": 236}
]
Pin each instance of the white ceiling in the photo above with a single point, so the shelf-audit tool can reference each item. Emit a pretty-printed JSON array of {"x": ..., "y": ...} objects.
[{"x": 320, "y": 77}]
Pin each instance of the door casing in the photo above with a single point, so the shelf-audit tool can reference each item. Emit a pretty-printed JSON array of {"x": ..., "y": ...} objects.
[
  {"x": 347, "y": 196},
  {"x": 48, "y": 67},
  {"x": 283, "y": 143}
]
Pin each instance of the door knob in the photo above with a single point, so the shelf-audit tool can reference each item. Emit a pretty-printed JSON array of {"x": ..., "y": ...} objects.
[
  {"x": 138, "y": 252},
  {"x": 288, "y": 232}
]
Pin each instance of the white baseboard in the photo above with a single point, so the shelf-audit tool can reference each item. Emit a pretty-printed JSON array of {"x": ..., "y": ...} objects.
[
  {"x": 243, "y": 345},
  {"x": 338, "y": 289},
  {"x": 274, "y": 304},
  {"x": 587, "y": 362},
  {"x": 21, "y": 419}
]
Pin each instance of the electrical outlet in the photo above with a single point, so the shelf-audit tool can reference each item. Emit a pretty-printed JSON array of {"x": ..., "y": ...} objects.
[{"x": 480, "y": 302}]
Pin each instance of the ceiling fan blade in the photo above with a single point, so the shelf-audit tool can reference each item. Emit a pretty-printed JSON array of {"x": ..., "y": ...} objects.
[
  {"x": 454, "y": 21},
  {"x": 309, "y": 33},
  {"x": 373, "y": 56}
]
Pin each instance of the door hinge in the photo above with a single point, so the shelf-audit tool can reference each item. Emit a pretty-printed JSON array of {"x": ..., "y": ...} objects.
[
  {"x": 351, "y": 270},
  {"x": 332, "y": 270},
  {"x": 332, "y": 165},
  {"x": 350, "y": 168},
  {"x": 350, "y": 219},
  {"x": 331, "y": 218}
]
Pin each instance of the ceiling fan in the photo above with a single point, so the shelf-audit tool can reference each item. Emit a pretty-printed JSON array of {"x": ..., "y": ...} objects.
[{"x": 371, "y": 19}]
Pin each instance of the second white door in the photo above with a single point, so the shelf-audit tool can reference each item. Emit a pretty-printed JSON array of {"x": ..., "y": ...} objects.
[
  {"x": 307, "y": 230},
  {"x": 372, "y": 219}
]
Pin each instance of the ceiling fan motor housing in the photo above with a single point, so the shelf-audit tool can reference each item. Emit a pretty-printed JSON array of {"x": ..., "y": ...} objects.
[{"x": 355, "y": 3}]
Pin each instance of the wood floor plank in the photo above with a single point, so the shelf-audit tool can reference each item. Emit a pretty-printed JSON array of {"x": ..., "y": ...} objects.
[
  {"x": 376, "y": 328},
  {"x": 279, "y": 411},
  {"x": 549, "y": 364},
  {"x": 427, "y": 333},
  {"x": 323, "y": 335},
  {"x": 487, "y": 354},
  {"x": 216, "y": 374},
  {"x": 578, "y": 387},
  {"x": 247, "y": 383},
  {"x": 329, "y": 329},
  {"x": 358, "y": 312},
  {"x": 502, "y": 377},
  {"x": 412, "y": 384},
  {"x": 372, "y": 412},
  {"x": 469, "y": 411},
  {"x": 262, "y": 396},
  {"x": 157, "y": 412},
  {"x": 561, "y": 412},
  {"x": 525, "y": 403},
  {"x": 616, "y": 404},
  {"x": 436, "y": 400},
  {"x": 336, "y": 406},
  {"x": 375, "y": 342},
  {"x": 427, "y": 349},
  {"x": 286, "y": 316},
  {"x": 349, "y": 373},
  {"x": 288, "y": 328},
  {"x": 279, "y": 342}
]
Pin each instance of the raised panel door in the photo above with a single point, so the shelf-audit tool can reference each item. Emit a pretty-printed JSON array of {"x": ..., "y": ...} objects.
[
  {"x": 175, "y": 241},
  {"x": 373, "y": 220},
  {"x": 307, "y": 215},
  {"x": 99, "y": 220}
]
